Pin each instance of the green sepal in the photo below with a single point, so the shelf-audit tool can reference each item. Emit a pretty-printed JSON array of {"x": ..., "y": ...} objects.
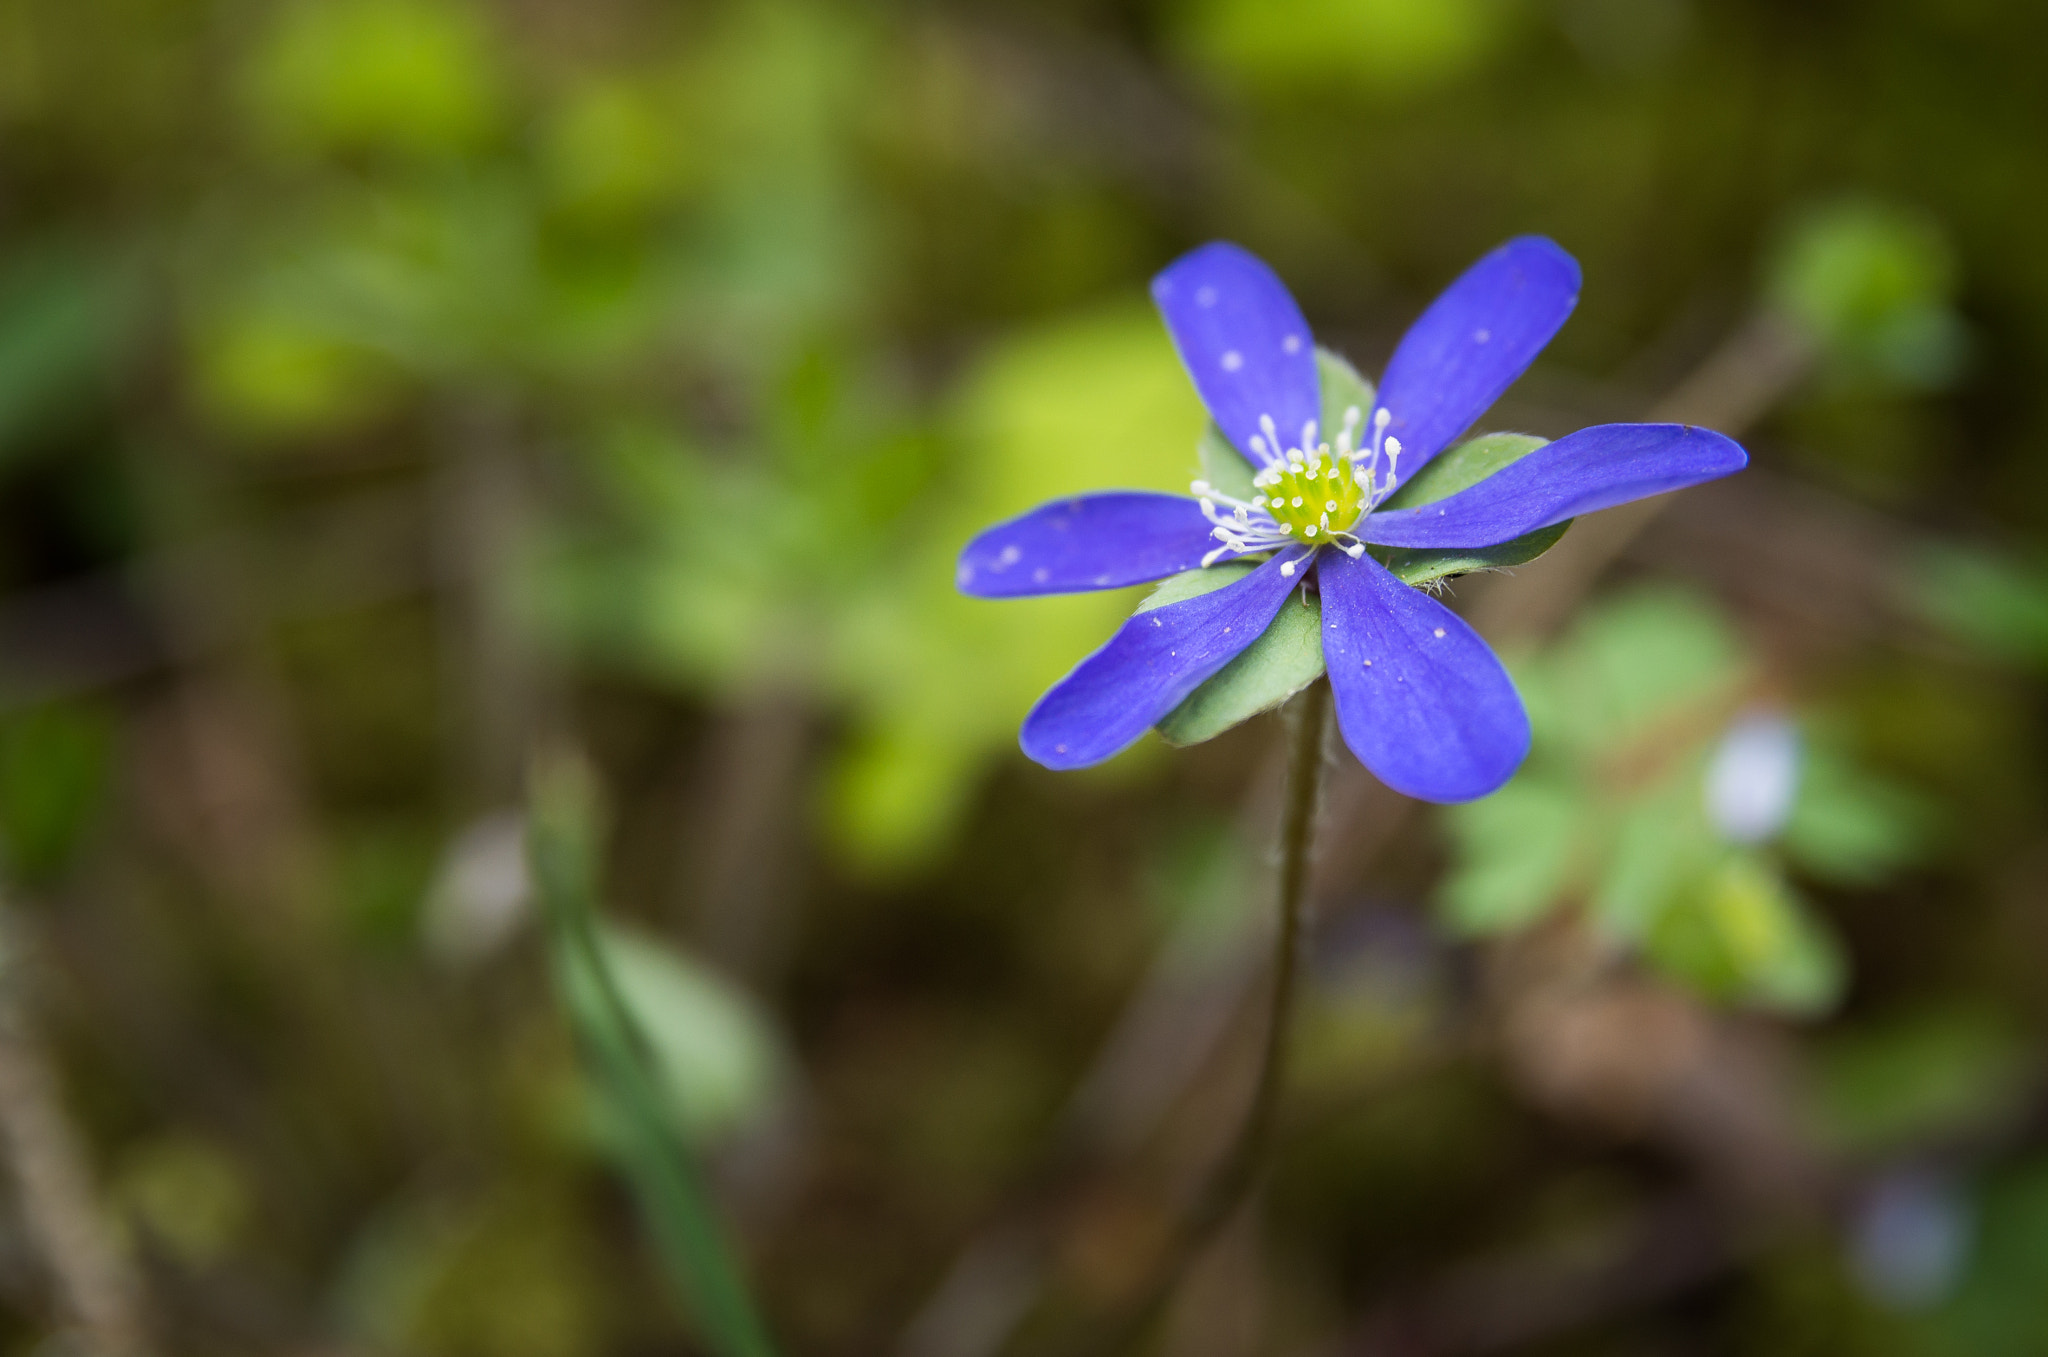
[
  {"x": 1224, "y": 467},
  {"x": 1446, "y": 474},
  {"x": 1343, "y": 389},
  {"x": 1287, "y": 657},
  {"x": 1418, "y": 567},
  {"x": 1195, "y": 583}
]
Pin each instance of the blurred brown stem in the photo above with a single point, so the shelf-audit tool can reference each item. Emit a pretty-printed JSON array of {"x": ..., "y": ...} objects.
[
  {"x": 1220, "y": 1197},
  {"x": 99, "y": 1291}
]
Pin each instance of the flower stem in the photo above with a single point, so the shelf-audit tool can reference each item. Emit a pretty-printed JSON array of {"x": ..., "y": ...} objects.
[{"x": 1226, "y": 1188}]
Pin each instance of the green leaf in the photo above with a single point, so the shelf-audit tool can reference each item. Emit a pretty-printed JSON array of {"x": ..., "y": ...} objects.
[
  {"x": 1923, "y": 1075},
  {"x": 1741, "y": 935},
  {"x": 55, "y": 763},
  {"x": 1874, "y": 284},
  {"x": 1653, "y": 659},
  {"x": 1850, "y": 826},
  {"x": 1516, "y": 851},
  {"x": 65, "y": 314},
  {"x": 1661, "y": 844},
  {"x": 713, "y": 1052},
  {"x": 1446, "y": 474},
  {"x": 1287, "y": 657},
  {"x": 1992, "y": 603},
  {"x": 1996, "y": 1308}
]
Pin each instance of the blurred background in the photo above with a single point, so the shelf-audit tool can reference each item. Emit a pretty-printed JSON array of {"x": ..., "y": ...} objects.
[{"x": 389, "y": 388}]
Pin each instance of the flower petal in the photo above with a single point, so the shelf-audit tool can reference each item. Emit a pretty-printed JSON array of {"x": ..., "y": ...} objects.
[
  {"x": 1154, "y": 660},
  {"x": 1421, "y": 700},
  {"x": 1473, "y": 342},
  {"x": 1089, "y": 542},
  {"x": 1244, "y": 342},
  {"x": 1595, "y": 468}
]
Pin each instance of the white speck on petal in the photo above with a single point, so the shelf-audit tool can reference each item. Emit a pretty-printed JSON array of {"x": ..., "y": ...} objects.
[
  {"x": 1754, "y": 777},
  {"x": 1232, "y": 360},
  {"x": 1291, "y": 344},
  {"x": 1040, "y": 575},
  {"x": 1205, "y": 296},
  {"x": 1009, "y": 557},
  {"x": 1481, "y": 336},
  {"x": 1439, "y": 633}
]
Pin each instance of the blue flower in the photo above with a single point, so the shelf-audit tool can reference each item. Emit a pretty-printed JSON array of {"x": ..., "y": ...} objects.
[{"x": 1420, "y": 698}]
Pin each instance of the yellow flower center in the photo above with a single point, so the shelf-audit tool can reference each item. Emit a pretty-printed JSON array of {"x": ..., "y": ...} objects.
[{"x": 1311, "y": 499}]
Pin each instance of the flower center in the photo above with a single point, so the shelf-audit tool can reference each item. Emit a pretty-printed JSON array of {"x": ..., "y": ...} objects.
[{"x": 1312, "y": 497}]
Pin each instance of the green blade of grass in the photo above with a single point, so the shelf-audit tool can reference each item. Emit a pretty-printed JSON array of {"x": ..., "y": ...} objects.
[{"x": 657, "y": 1162}]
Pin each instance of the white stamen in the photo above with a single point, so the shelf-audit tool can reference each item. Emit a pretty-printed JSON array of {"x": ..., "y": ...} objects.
[{"x": 1287, "y": 569}]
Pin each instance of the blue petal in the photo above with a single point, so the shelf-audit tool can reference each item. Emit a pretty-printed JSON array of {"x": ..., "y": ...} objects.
[
  {"x": 1472, "y": 343},
  {"x": 1595, "y": 468},
  {"x": 1244, "y": 342},
  {"x": 1421, "y": 700},
  {"x": 1091, "y": 542},
  {"x": 1154, "y": 660}
]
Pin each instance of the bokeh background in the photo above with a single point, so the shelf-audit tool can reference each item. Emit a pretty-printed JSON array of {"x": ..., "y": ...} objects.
[{"x": 391, "y": 388}]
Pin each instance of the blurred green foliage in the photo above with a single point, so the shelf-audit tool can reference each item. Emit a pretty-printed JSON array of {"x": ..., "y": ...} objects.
[
  {"x": 54, "y": 767},
  {"x": 1612, "y": 812},
  {"x": 389, "y": 385},
  {"x": 1875, "y": 285},
  {"x": 401, "y": 77}
]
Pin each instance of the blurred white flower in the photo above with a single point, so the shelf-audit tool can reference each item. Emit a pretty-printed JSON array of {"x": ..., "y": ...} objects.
[
  {"x": 1910, "y": 1237},
  {"x": 481, "y": 893},
  {"x": 1754, "y": 777}
]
